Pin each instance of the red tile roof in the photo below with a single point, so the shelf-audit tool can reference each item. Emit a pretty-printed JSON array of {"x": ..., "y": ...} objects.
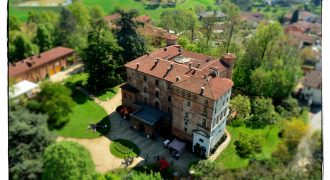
[
  {"x": 143, "y": 18},
  {"x": 301, "y": 36},
  {"x": 36, "y": 61},
  {"x": 174, "y": 62},
  {"x": 112, "y": 17},
  {"x": 214, "y": 87}
]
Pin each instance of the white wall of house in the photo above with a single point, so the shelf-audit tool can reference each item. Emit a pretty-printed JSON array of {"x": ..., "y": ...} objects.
[
  {"x": 312, "y": 94},
  {"x": 201, "y": 138}
]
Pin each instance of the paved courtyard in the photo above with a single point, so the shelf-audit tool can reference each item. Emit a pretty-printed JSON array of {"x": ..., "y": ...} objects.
[
  {"x": 122, "y": 129},
  {"x": 99, "y": 147}
]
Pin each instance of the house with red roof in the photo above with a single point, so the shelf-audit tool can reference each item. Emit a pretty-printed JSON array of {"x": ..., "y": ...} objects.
[
  {"x": 180, "y": 93},
  {"x": 312, "y": 91},
  {"x": 41, "y": 66}
]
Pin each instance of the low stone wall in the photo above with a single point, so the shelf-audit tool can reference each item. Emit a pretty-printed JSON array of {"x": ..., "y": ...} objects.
[{"x": 221, "y": 147}]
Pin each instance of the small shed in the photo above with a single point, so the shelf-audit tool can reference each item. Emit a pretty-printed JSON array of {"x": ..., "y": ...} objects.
[
  {"x": 177, "y": 145},
  {"x": 23, "y": 87}
]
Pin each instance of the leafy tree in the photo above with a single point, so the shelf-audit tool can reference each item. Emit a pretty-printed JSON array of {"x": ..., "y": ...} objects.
[
  {"x": 102, "y": 58},
  {"x": 289, "y": 108},
  {"x": 202, "y": 168},
  {"x": 241, "y": 104},
  {"x": 179, "y": 20},
  {"x": 295, "y": 16},
  {"x": 247, "y": 145},
  {"x": 269, "y": 66},
  {"x": 263, "y": 113},
  {"x": 44, "y": 38},
  {"x": 133, "y": 44},
  {"x": 96, "y": 12},
  {"x": 233, "y": 21},
  {"x": 81, "y": 14},
  {"x": 56, "y": 101},
  {"x": 292, "y": 133},
  {"x": 282, "y": 153},
  {"x": 14, "y": 23},
  {"x": 28, "y": 136},
  {"x": 66, "y": 26},
  {"x": 68, "y": 160},
  {"x": 23, "y": 48}
]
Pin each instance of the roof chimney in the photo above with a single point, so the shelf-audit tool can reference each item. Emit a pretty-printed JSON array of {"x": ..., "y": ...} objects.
[
  {"x": 205, "y": 76},
  {"x": 189, "y": 64},
  {"x": 148, "y": 53},
  {"x": 165, "y": 49},
  {"x": 171, "y": 67},
  {"x": 180, "y": 49},
  {"x": 198, "y": 65},
  {"x": 202, "y": 90},
  {"x": 177, "y": 78},
  {"x": 157, "y": 60},
  {"x": 137, "y": 65}
]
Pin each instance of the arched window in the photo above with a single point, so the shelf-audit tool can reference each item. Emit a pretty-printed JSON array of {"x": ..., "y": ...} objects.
[
  {"x": 156, "y": 94},
  {"x": 169, "y": 99}
]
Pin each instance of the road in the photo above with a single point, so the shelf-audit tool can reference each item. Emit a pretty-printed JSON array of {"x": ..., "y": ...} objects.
[{"x": 304, "y": 155}]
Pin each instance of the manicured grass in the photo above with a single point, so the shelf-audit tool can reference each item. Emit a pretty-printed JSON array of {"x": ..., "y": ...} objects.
[
  {"x": 110, "y": 5},
  {"x": 76, "y": 80},
  {"x": 230, "y": 160},
  {"x": 107, "y": 94},
  {"x": 84, "y": 113},
  {"x": 122, "y": 148}
]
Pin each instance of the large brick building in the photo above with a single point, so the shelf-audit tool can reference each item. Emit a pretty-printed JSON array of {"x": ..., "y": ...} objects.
[
  {"x": 180, "y": 93},
  {"x": 38, "y": 67}
]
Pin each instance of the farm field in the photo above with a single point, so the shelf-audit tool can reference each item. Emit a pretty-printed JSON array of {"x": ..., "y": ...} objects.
[{"x": 110, "y": 5}]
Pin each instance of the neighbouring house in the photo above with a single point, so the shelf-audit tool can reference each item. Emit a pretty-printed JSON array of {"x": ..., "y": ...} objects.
[
  {"x": 22, "y": 88},
  {"x": 301, "y": 39},
  {"x": 158, "y": 34},
  {"x": 253, "y": 18},
  {"x": 180, "y": 93},
  {"x": 43, "y": 65},
  {"x": 218, "y": 15},
  {"x": 312, "y": 91}
]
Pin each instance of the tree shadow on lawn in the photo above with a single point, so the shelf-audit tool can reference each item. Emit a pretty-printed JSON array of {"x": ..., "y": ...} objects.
[
  {"x": 103, "y": 126},
  {"x": 79, "y": 97},
  {"x": 151, "y": 6}
]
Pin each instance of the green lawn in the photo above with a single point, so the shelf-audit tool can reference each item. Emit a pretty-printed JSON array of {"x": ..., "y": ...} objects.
[
  {"x": 122, "y": 148},
  {"x": 110, "y": 5},
  {"x": 84, "y": 113},
  {"x": 104, "y": 96},
  {"x": 229, "y": 160}
]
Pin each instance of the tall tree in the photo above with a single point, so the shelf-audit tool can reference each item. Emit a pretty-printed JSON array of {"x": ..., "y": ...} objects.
[
  {"x": 269, "y": 66},
  {"x": 295, "y": 16},
  {"x": 44, "y": 38},
  {"x": 102, "y": 58},
  {"x": 56, "y": 101},
  {"x": 28, "y": 136},
  {"x": 232, "y": 22},
  {"x": 241, "y": 104},
  {"x": 68, "y": 160},
  {"x": 66, "y": 26},
  {"x": 127, "y": 37},
  {"x": 13, "y": 23},
  {"x": 247, "y": 145},
  {"x": 23, "y": 48},
  {"x": 81, "y": 14},
  {"x": 263, "y": 113},
  {"x": 96, "y": 12}
]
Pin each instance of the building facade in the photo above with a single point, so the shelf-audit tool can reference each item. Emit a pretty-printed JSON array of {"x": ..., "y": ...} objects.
[
  {"x": 181, "y": 93},
  {"x": 39, "y": 67}
]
